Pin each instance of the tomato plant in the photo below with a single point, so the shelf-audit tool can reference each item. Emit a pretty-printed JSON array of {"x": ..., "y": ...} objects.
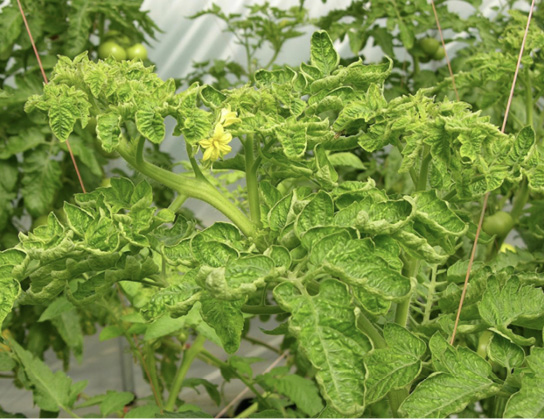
[{"x": 353, "y": 231}]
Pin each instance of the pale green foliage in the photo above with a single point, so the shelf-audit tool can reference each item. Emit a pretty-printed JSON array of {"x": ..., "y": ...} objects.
[
  {"x": 325, "y": 327},
  {"x": 339, "y": 250},
  {"x": 394, "y": 367},
  {"x": 461, "y": 377}
]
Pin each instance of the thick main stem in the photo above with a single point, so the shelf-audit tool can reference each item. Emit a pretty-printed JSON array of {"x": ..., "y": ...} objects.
[
  {"x": 190, "y": 187},
  {"x": 188, "y": 358}
]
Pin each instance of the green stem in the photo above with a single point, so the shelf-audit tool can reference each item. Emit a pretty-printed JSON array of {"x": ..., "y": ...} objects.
[
  {"x": 368, "y": 328},
  {"x": 139, "y": 155},
  {"x": 194, "y": 164},
  {"x": 191, "y": 187},
  {"x": 520, "y": 199},
  {"x": 528, "y": 98},
  {"x": 152, "y": 368},
  {"x": 251, "y": 182},
  {"x": 276, "y": 52},
  {"x": 212, "y": 360},
  {"x": 249, "y": 411},
  {"x": 403, "y": 308},
  {"x": 177, "y": 202},
  {"x": 261, "y": 343},
  {"x": 430, "y": 294},
  {"x": 396, "y": 397},
  {"x": 256, "y": 309},
  {"x": 188, "y": 358}
]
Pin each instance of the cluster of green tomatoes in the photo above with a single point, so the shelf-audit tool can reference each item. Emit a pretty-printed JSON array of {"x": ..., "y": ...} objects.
[
  {"x": 118, "y": 46},
  {"x": 431, "y": 49}
]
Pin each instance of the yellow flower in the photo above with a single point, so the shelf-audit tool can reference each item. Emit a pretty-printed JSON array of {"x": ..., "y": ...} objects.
[
  {"x": 228, "y": 117},
  {"x": 216, "y": 146}
]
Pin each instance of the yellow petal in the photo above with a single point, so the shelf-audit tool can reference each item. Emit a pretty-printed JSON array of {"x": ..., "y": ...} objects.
[
  {"x": 218, "y": 131},
  {"x": 206, "y": 143},
  {"x": 207, "y": 154}
]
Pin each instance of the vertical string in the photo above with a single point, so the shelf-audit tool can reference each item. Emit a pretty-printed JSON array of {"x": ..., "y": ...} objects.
[
  {"x": 445, "y": 51},
  {"x": 46, "y": 81},
  {"x": 484, "y": 206}
]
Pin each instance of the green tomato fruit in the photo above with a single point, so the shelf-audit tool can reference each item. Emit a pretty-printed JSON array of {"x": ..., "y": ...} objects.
[
  {"x": 112, "y": 49},
  {"x": 439, "y": 54},
  {"x": 498, "y": 224},
  {"x": 429, "y": 45},
  {"x": 137, "y": 51}
]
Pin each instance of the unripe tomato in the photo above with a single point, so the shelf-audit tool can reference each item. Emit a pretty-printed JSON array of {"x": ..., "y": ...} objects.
[
  {"x": 499, "y": 224},
  {"x": 429, "y": 45},
  {"x": 137, "y": 51},
  {"x": 112, "y": 49},
  {"x": 439, "y": 54}
]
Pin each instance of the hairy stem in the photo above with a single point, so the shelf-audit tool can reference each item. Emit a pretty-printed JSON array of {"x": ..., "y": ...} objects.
[
  {"x": 212, "y": 360},
  {"x": 188, "y": 358},
  {"x": 190, "y": 187},
  {"x": 251, "y": 181},
  {"x": 403, "y": 308},
  {"x": 261, "y": 343},
  {"x": 368, "y": 328},
  {"x": 152, "y": 367},
  {"x": 430, "y": 294}
]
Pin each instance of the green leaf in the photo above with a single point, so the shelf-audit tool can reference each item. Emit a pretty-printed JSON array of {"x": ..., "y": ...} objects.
[
  {"x": 529, "y": 401},
  {"x": 78, "y": 219},
  {"x": 362, "y": 263},
  {"x": 56, "y": 308},
  {"x": 396, "y": 366},
  {"x": 346, "y": 160},
  {"x": 108, "y": 130},
  {"x": 79, "y": 26},
  {"x": 146, "y": 411},
  {"x": 462, "y": 377},
  {"x": 115, "y": 401},
  {"x": 437, "y": 215},
  {"x": 322, "y": 53},
  {"x": 325, "y": 326},
  {"x": 11, "y": 24},
  {"x": 10, "y": 287},
  {"x": 41, "y": 181},
  {"x": 303, "y": 392},
  {"x": 163, "y": 326},
  {"x": 316, "y": 213},
  {"x": 511, "y": 303},
  {"x": 210, "y": 388},
  {"x": 151, "y": 125},
  {"x": 523, "y": 143},
  {"x": 52, "y": 391},
  {"x": 505, "y": 353},
  {"x": 225, "y": 318}
]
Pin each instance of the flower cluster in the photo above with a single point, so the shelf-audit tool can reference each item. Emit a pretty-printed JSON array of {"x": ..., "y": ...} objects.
[{"x": 217, "y": 145}]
